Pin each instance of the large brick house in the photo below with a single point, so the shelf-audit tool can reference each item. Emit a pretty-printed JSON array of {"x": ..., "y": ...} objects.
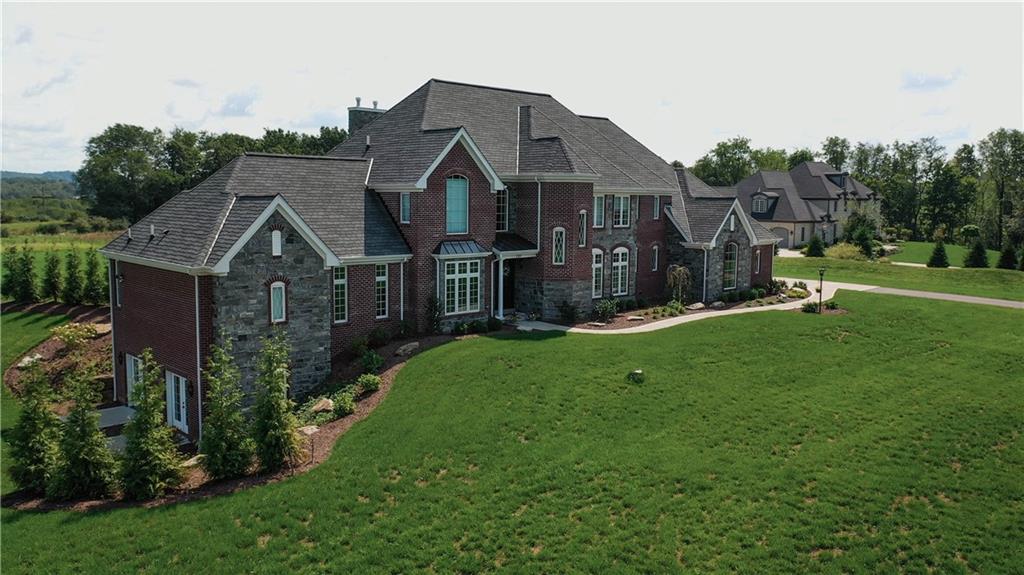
[{"x": 478, "y": 201}]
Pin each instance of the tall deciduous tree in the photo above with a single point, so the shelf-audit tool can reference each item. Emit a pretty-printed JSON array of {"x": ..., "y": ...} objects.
[
  {"x": 799, "y": 156},
  {"x": 275, "y": 428},
  {"x": 1002, "y": 155},
  {"x": 226, "y": 448},
  {"x": 728, "y": 163},
  {"x": 770, "y": 159},
  {"x": 835, "y": 151},
  {"x": 151, "y": 464},
  {"x": 117, "y": 178}
]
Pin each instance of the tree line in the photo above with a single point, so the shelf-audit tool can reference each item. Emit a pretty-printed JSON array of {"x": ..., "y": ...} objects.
[
  {"x": 129, "y": 171},
  {"x": 923, "y": 189}
]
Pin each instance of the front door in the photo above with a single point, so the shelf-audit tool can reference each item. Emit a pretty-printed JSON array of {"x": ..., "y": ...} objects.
[
  {"x": 177, "y": 401},
  {"x": 509, "y": 277}
]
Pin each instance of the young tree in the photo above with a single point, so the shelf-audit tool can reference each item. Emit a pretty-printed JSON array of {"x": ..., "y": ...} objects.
[
  {"x": 52, "y": 281},
  {"x": 274, "y": 424},
  {"x": 835, "y": 151},
  {"x": 679, "y": 280},
  {"x": 72, "y": 292},
  {"x": 95, "y": 288},
  {"x": 22, "y": 275},
  {"x": 227, "y": 450},
  {"x": 86, "y": 467},
  {"x": 151, "y": 464},
  {"x": 815, "y": 247},
  {"x": 863, "y": 240},
  {"x": 939, "y": 259},
  {"x": 977, "y": 257},
  {"x": 11, "y": 270},
  {"x": 34, "y": 438},
  {"x": 1007, "y": 258}
]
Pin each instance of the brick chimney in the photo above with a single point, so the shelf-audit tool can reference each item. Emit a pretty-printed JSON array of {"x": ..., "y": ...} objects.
[{"x": 358, "y": 116}]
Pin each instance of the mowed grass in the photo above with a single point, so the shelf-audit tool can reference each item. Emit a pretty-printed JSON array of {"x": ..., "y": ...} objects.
[
  {"x": 19, "y": 332},
  {"x": 994, "y": 283},
  {"x": 883, "y": 440},
  {"x": 921, "y": 252}
]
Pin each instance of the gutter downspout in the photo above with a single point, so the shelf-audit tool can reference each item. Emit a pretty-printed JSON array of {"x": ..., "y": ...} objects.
[
  {"x": 199, "y": 370},
  {"x": 112, "y": 272},
  {"x": 501, "y": 288},
  {"x": 401, "y": 291},
  {"x": 538, "y": 211},
  {"x": 704, "y": 294}
]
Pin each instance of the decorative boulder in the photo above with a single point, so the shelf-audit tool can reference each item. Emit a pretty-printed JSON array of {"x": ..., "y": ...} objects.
[
  {"x": 325, "y": 404},
  {"x": 695, "y": 306},
  {"x": 308, "y": 430},
  {"x": 718, "y": 304},
  {"x": 635, "y": 318},
  {"x": 636, "y": 376},
  {"x": 408, "y": 348},
  {"x": 29, "y": 360}
]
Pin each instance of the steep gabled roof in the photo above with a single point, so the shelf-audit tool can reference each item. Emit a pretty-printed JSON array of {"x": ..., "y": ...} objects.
[
  {"x": 788, "y": 206},
  {"x": 812, "y": 182},
  {"x": 197, "y": 227}
]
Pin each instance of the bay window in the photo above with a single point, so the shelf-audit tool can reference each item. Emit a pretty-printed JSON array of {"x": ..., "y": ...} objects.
[{"x": 461, "y": 286}]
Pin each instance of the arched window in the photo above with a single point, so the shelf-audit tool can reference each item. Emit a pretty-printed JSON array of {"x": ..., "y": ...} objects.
[
  {"x": 596, "y": 273},
  {"x": 457, "y": 205},
  {"x": 620, "y": 271},
  {"x": 757, "y": 261},
  {"x": 558, "y": 246},
  {"x": 582, "y": 232},
  {"x": 278, "y": 302},
  {"x": 729, "y": 266},
  {"x": 275, "y": 243}
]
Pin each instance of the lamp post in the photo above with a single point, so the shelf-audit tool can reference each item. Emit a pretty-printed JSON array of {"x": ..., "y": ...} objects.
[{"x": 821, "y": 285}]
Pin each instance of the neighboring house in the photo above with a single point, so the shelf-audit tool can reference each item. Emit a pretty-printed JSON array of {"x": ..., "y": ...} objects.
[
  {"x": 811, "y": 199},
  {"x": 486, "y": 201}
]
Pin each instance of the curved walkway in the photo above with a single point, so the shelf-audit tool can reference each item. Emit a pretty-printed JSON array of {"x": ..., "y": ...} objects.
[{"x": 829, "y": 290}]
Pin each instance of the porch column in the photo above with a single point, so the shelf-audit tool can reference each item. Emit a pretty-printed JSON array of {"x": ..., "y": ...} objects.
[{"x": 501, "y": 288}]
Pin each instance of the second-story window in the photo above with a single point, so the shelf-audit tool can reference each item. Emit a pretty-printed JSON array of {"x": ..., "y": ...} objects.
[
  {"x": 620, "y": 211},
  {"x": 275, "y": 243},
  {"x": 582, "y": 232},
  {"x": 558, "y": 246},
  {"x": 501, "y": 210},
  {"x": 657, "y": 207},
  {"x": 598, "y": 211},
  {"x": 340, "y": 294},
  {"x": 760, "y": 206},
  {"x": 457, "y": 205},
  {"x": 405, "y": 208}
]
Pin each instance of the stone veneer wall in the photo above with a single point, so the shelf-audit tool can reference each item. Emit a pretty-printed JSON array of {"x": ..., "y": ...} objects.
[{"x": 241, "y": 303}]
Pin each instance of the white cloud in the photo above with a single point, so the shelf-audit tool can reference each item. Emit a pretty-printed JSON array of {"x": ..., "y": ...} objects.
[{"x": 677, "y": 77}]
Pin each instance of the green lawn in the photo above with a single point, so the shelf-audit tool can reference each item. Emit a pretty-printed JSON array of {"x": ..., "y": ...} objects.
[
  {"x": 921, "y": 252},
  {"x": 995, "y": 283},
  {"x": 19, "y": 332},
  {"x": 41, "y": 245},
  {"x": 883, "y": 440}
]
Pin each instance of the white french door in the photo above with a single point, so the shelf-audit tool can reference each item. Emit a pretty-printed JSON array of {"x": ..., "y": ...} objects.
[
  {"x": 177, "y": 401},
  {"x": 133, "y": 373}
]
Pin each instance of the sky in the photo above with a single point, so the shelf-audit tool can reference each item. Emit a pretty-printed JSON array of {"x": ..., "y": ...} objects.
[{"x": 678, "y": 77}]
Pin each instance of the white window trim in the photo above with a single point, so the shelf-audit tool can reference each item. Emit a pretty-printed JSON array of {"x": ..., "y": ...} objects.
[
  {"x": 757, "y": 261},
  {"x": 404, "y": 208},
  {"x": 284, "y": 302},
  {"x": 599, "y": 201},
  {"x": 732, "y": 223},
  {"x": 759, "y": 206},
  {"x": 581, "y": 242},
  {"x": 557, "y": 258},
  {"x": 502, "y": 198},
  {"x": 596, "y": 272},
  {"x": 736, "y": 269},
  {"x": 131, "y": 376},
  {"x": 625, "y": 273},
  {"x": 654, "y": 258},
  {"x": 334, "y": 294},
  {"x": 657, "y": 207},
  {"x": 625, "y": 213},
  {"x": 181, "y": 385},
  {"x": 460, "y": 276},
  {"x": 275, "y": 243},
  {"x": 377, "y": 279},
  {"x": 459, "y": 177}
]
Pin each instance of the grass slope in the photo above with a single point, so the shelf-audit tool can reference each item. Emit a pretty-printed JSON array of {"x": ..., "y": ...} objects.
[
  {"x": 19, "y": 332},
  {"x": 995, "y": 283},
  {"x": 921, "y": 252},
  {"x": 825, "y": 446}
]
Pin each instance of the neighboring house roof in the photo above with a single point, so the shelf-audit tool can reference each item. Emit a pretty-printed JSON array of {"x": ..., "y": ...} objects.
[
  {"x": 784, "y": 201},
  {"x": 198, "y": 227},
  {"x": 519, "y": 133},
  {"x": 706, "y": 208}
]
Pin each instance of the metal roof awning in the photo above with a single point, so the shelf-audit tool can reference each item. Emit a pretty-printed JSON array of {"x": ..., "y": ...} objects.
[
  {"x": 508, "y": 245},
  {"x": 460, "y": 249}
]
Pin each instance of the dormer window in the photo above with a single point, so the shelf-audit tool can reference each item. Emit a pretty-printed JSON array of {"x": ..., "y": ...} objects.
[
  {"x": 759, "y": 205},
  {"x": 838, "y": 179}
]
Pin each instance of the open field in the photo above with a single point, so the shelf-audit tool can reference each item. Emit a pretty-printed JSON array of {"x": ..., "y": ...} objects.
[
  {"x": 882, "y": 440},
  {"x": 994, "y": 283},
  {"x": 19, "y": 332},
  {"x": 921, "y": 252},
  {"x": 41, "y": 245}
]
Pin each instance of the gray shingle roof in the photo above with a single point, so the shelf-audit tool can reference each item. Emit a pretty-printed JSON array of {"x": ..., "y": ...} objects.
[
  {"x": 406, "y": 139},
  {"x": 788, "y": 206},
  {"x": 198, "y": 226},
  {"x": 508, "y": 242}
]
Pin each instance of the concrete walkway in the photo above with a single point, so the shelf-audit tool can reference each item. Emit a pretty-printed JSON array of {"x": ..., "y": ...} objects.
[
  {"x": 917, "y": 265},
  {"x": 829, "y": 290}
]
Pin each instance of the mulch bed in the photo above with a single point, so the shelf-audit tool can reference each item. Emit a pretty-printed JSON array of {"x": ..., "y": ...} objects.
[{"x": 317, "y": 448}]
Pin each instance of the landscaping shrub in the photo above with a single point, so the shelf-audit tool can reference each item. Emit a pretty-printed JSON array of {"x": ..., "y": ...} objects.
[
  {"x": 94, "y": 290},
  {"x": 493, "y": 324},
  {"x": 815, "y": 247},
  {"x": 20, "y": 280},
  {"x": 478, "y": 326},
  {"x": 34, "y": 438},
  {"x": 830, "y": 304},
  {"x": 759, "y": 293},
  {"x": 307, "y": 416},
  {"x": 49, "y": 229},
  {"x": 857, "y": 222},
  {"x": 775, "y": 286},
  {"x": 379, "y": 337},
  {"x": 1007, "y": 258},
  {"x": 226, "y": 447},
  {"x": 845, "y": 251},
  {"x": 274, "y": 424},
  {"x": 605, "y": 310},
  {"x": 370, "y": 382},
  {"x": 85, "y": 466},
  {"x": 359, "y": 346},
  {"x": 569, "y": 312},
  {"x": 809, "y": 307},
  {"x": 151, "y": 464},
  {"x": 969, "y": 233},
  {"x": 460, "y": 328},
  {"x": 371, "y": 361},
  {"x": 797, "y": 293},
  {"x": 404, "y": 329},
  {"x": 74, "y": 335},
  {"x": 73, "y": 288},
  {"x": 434, "y": 315},
  {"x": 800, "y": 285},
  {"x": 344, "y": 403},
  {"x": 52, "y": 280},
  {"x": 938, "y": 259},
  {"x": 864, "y": 241},
  {"x": 977, "y": 257}
]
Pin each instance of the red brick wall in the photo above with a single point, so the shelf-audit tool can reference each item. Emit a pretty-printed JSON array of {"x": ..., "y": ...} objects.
[
  {"x": 650, "y": 232},
  {"x": 362, "y": 312},
  {"x": 767, "y": 258},
  {"x": 561, "y": 203},
  {"x": 158, "y": 311}
]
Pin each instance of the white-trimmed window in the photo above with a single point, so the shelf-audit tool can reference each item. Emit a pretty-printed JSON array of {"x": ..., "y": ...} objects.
[
  {"x": 558, "y": 246},
  {"x": 380, "y": 290},
  {"x": 501, "y": 210},
  {"x": 759, "y": 205},
  {"x": 729, "y": 266},
  {"x": 133, "y": 376},
  {"x": 581, "y": 234},
  {"x": 598, "y": 211},
  {"x": 654, "y": 258},
  {"x": 177, "y": 401},
  {"x": 620, "y": 211},
  {"x": 405, "y": 208},
  {"x": 278, "y": 302},
  {"x": 461, "y": 286},
  {"x": 457, "y": 205},
  {"x": 620, "y": 271},
  {"x": 596, "y": 273},
  {"x": 340, "y": 314},
  {"x": 657, "y": 207},
  {"x": 275, "y": 243},
  {"x": 757, "y": 261}
]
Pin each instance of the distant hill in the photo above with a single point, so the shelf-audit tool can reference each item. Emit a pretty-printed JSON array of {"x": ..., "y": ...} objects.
[{"x": 48, "y": 184}]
